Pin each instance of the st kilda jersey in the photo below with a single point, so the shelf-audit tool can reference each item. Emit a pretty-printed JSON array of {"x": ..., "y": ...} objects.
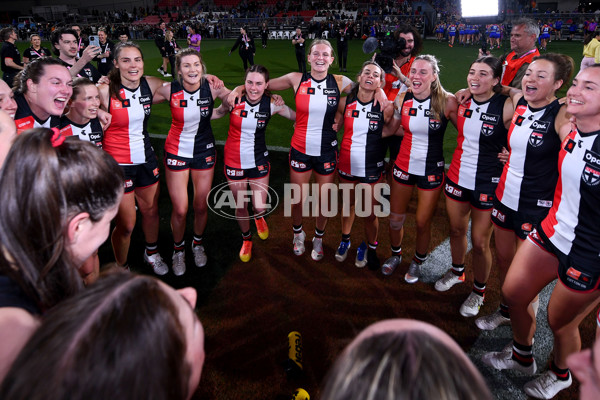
[
  {"x": 126, "y": 138},
  {"x": 245, "y": 146},
  {"x": 316, "y": 105},
  {"x": 572, "y": 222},
  {"x": 25, "y": 119},
  {"x": 90, "y": 132},
  {"x": 529, "y": 177},
  {"x": 191, "y": 132},
  {"x": 421, "y": 151},
  {"x": 88, "y": 71},
  {"x": 481, "y": 136},
  {"x": 362, "y": 150}
]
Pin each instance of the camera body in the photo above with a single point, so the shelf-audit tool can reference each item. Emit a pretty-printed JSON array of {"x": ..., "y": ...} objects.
[{"x": 389, "y": 50}]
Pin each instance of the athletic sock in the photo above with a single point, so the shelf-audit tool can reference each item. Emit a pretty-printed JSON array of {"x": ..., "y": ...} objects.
[
  {"x": 522, "y": 354},
  {"x": 197, "y": 240},
  {"x": 319, "y": 233},
  {"x": 479, "y": 288},
  {"x": 178, "y": 246},
  {"x": 297, "y": 229},
  {"x": 458, "y": 269},
  {"x": 373, "y": 246},
  {"x": 396, "y": 251},
  {"x": 419, "y": 258},
  {"x": 151, "y": 248},
  {"x": 345, "y": 238},
  {"x": 504, "y": 310},
  {"x": 561, "y": 374},
  {"x": 247, "y": 235}
]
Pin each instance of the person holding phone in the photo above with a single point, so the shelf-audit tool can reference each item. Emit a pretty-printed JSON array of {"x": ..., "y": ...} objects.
[
  {"x": 107, "y": 48},
  {"x": 65, "y": 45}
]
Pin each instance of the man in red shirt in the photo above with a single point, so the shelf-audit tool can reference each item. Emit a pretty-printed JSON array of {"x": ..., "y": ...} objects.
[
  {"x": 522, "y": 45},
  {"x": 414, "y": 44}
]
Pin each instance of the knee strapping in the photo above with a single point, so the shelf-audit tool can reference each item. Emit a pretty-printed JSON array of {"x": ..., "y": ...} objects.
[{"x": 397, "y": 221}]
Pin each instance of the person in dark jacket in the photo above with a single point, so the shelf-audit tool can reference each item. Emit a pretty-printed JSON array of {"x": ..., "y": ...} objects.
[{"x": 245, "y": 42}]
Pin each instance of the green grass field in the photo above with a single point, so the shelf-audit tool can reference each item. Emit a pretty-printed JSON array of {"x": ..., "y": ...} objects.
[{"x": 280, "y": 59}]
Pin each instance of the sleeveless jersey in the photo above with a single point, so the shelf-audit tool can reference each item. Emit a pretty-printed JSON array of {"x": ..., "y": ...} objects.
[
  {"x": 245, "y": 146},
  {"x": 362, "y": 150},
  {"x": 572, "y": 222},
  {"x": 316, "y": 105},
  {"x": 529, "y": 176},
  {"x": 421, "y": 151},
  {"x": 481, "y": 136},
  {"x": 126, "y": 138},
  {"x": 25, "y": 119},
  {"x": 191, "y": 132},
  {"x": 90, "y": 132}
]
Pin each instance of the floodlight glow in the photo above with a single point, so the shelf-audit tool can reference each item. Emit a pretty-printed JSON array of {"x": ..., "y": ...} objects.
[{"x": 479, "y": 8}]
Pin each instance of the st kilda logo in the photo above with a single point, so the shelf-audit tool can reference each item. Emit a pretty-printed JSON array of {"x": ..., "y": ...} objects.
[{"x": 591, "y": 171}]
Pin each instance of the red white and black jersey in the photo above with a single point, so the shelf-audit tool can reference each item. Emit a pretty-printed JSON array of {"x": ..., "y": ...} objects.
[
  {"x": 26, "y": 119},
  {"x": 316, "y": 105},
  {"x": 191, "y": 132},
  {"x": 572, "y": 222},
  {"x": 529, "y": 177},
  {"x": 88, "y": 71},
  {"x": 126, "y": 138},
  {"x": 90, "y": 132},
  {"x": 362, "y": 150},
  {"x": 421, "y": 151},
  {"x": 245, "y": 146},
  {"x": 481, "y": 136}
]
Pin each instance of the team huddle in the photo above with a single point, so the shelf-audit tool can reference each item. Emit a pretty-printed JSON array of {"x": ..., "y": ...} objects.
[{"x": 526, "y": 166}]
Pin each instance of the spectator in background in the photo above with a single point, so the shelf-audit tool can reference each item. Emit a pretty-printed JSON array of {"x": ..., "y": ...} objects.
[
  {"x": 264, "y": 34},
  {"x": 193, "y": 39},
  {"x": 298, "y": 42},
  {"x": 404, "y": 359},
  {"x": 123, "y": 37},
  {"x": 522, "y": 45},
  {"x": 107, "y": 48},
  {"x": 171, "y": 48},
  {"x": 159, "y": 40},
  {"x": 591, "y": 50},
  {"x": 9, "y": 55},
  {"x": 342, "y": 38},
  {"x": 82, "y": 42},
  {"x": 94, "y": 345},
  {"x": 245, "y": 42},
  {"x": 36, "y": 50},
  {"x": 65, "y": 44}
]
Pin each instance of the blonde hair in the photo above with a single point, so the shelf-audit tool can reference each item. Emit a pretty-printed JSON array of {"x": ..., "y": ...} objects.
[{"x": 438, "y": 93}]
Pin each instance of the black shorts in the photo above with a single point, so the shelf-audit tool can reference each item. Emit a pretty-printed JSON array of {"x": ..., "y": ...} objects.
[
  {"x": 393, "y": 144},
  {"x": 576, "y": 275},
  {"x": 520, "y": 223},
  {"x": 325, "y": 164},
  {"x": 478, "y": 199},
  {"x": 361, "y": 179},
  {"x": 237, "y": 174},
  {"x": 427, "y": 182},
  {"x": 204, "y": 160},
  {"x": 163, "y": 53},
  {"x": 140, "y": 175}
]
